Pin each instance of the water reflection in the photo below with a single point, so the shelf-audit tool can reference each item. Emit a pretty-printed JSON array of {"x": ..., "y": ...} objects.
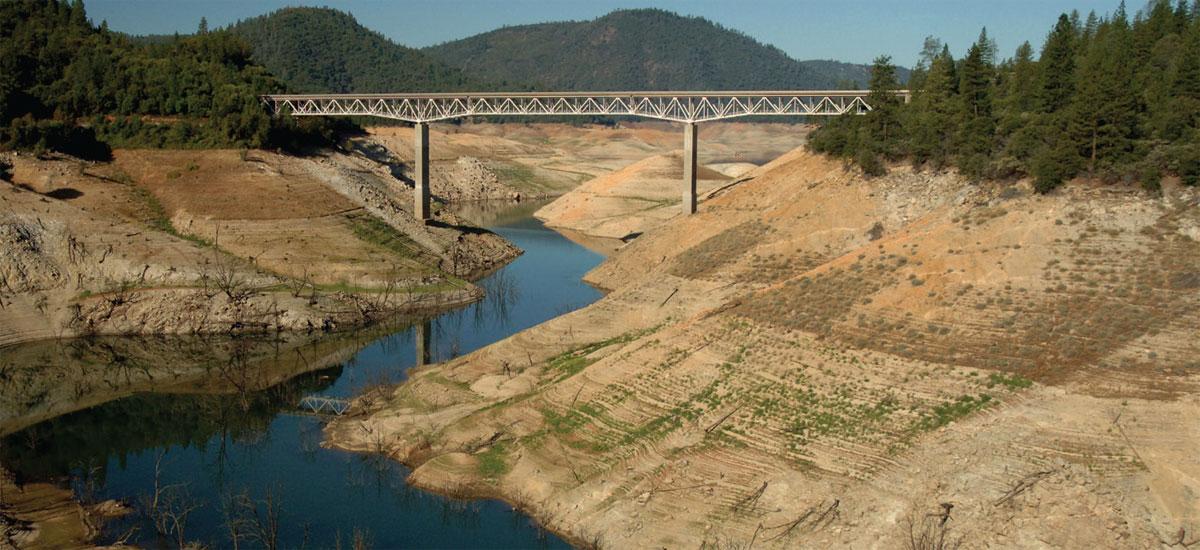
[
  {"x": 47, "y": 379},
  {"x": 85, "y": 441}
]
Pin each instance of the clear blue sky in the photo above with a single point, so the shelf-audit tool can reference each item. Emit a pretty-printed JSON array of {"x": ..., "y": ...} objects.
[{"x": 846, "y": 30}]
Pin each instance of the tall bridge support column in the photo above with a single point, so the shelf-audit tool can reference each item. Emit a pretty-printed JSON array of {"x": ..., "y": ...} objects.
[
  {"x": 689, "y": 167},
  {"x": 421, "y": 172}
]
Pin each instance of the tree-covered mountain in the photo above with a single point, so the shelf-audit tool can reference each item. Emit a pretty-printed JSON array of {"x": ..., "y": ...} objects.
[
  {"x": 325, "y": 50},
  {"x": 68, "y": 85},
  {"x": 644, "y": 49}
]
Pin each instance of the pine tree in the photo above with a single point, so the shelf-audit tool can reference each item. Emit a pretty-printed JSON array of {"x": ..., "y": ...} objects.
[
  {"x": 1182, "y": 13},
  {"x": 1016, "y": 106},
  {"x": 988, "y": 47},
  {"x": 1185, "y": 90},
  {"x": 203, "y": 28},
  {"x": 975, "y": 91},
  {"x": 929, "y": 51},
  {"x": 1089, "y": 28},
  {"x": 1020, "y": 92},
  {"x": 78, "y": 14},
  {"x": 882, "y": 123},
  {"x": 1103, "y": 115},
  {"x": 1057, "y": 66},
  {"x": 931, "y": 121}
]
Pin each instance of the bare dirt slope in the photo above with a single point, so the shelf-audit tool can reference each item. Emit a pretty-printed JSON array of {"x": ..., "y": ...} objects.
[
  {"x": 643, "y": 195},
  {"x": 817, "y": 359},
  {"x": 499, "y": 161},
  {"x": 629, "y": 201},
  {"x": 203, "y": 241}
]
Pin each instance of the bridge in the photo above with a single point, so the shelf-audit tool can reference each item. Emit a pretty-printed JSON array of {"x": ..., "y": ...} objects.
[{"x": 688, "y": 108}]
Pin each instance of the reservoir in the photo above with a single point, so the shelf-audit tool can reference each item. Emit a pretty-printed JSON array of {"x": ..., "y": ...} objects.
[{"x": 213, "y": 422}]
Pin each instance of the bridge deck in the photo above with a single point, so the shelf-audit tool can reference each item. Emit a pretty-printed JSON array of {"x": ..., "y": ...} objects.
[
  {"x": 693, "y": 106},
  {"x": 686, "y": 107}
]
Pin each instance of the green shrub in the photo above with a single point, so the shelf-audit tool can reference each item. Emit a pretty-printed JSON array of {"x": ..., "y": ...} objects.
[
  {"x": 1186, "y": 161},
  {"x": 1150, "y": 177},
  {"x": 41, "y": 136},
  {"x": 870, "y": 163}
]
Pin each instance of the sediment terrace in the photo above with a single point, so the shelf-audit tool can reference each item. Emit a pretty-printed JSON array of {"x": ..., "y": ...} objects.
[{"x": 820, "y": 359}]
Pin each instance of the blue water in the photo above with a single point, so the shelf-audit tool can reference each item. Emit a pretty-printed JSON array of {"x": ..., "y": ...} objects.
[{"x": 217, "y": 451}]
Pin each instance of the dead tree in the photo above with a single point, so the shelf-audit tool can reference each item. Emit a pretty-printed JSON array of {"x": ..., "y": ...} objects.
[{"x": 932, "y": 531}]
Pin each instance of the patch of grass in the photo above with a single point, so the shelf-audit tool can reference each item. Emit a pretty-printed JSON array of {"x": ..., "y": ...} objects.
[
  {"x": 706, "y": 258},
  {"x": 1012, "y": 382},
  {"x": 493, "y": 462},
  {"x": 156, "y": 217},
  {"x": 654, "y": 429},
  {"x": 439, "y": 379},
  {"x": 571, "y": 362},
  {"x": 343, "y": 286},
  {"x": 519, "y": 176},
  {"x": 950, "y": 411},
  {"x": 373, "y": 230},
  {"x": 156, "y": 214}
]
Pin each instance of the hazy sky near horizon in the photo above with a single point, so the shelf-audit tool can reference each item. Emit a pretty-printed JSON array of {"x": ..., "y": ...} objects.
[{"x": 846, "y": 30}]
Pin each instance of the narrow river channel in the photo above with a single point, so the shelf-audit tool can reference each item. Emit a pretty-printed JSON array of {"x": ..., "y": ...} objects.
[{"x": 229, "y": 439}]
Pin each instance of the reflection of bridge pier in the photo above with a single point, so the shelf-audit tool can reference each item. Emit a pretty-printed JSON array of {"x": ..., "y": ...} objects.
[
  {"x": 689, "y": 108},
  {"x": 424, "y": 334}
]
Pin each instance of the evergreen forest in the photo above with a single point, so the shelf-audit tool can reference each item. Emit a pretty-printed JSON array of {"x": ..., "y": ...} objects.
[{"x": 1115, "y": 99}]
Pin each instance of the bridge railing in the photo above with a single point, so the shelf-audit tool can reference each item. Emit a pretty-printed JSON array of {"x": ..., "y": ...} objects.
[{"x": 672, "y": 106}]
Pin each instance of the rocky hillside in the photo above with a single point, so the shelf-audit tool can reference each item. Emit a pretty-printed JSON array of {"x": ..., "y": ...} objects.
[
  {"x": 644, "y": 49},
  {"x": 819, "y": 359},
  {"x": 218, "y": 241}
]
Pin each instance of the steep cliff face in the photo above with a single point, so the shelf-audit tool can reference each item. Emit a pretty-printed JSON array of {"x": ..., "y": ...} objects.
[{"x": 820, "y": 359}]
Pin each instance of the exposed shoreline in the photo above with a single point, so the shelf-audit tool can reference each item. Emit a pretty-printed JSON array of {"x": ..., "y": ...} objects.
[{"x": 581, "y": 421}]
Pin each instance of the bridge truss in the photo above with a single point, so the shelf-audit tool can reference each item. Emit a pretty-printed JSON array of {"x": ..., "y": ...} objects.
[
  {"x": 688, "y": 108},
  {"x": 672, "y": 106}
]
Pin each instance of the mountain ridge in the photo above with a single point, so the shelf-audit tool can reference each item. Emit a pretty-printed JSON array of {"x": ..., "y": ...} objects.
[
  {"x": 328, "y": 50},
  {"x": 641, "y": 49}
]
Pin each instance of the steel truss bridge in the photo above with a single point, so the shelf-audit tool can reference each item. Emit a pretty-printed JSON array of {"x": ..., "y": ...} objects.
[
  {"x": 673, "y": 106},
  {"x": 688, "y": 108}
]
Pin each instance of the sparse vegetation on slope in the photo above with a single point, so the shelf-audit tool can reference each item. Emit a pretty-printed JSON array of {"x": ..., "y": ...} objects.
[{"x": 913, "y": 339}]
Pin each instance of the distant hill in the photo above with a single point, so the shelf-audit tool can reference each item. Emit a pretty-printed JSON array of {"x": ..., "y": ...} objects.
[
  {"x": 643, "y": 49},
  {"x": 325, "y": 50}
]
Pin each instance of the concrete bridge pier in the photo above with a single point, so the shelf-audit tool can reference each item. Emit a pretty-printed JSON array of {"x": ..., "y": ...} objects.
[
  {"x": 689, "y": 167},
  {"x": 421, "y": 172}
]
